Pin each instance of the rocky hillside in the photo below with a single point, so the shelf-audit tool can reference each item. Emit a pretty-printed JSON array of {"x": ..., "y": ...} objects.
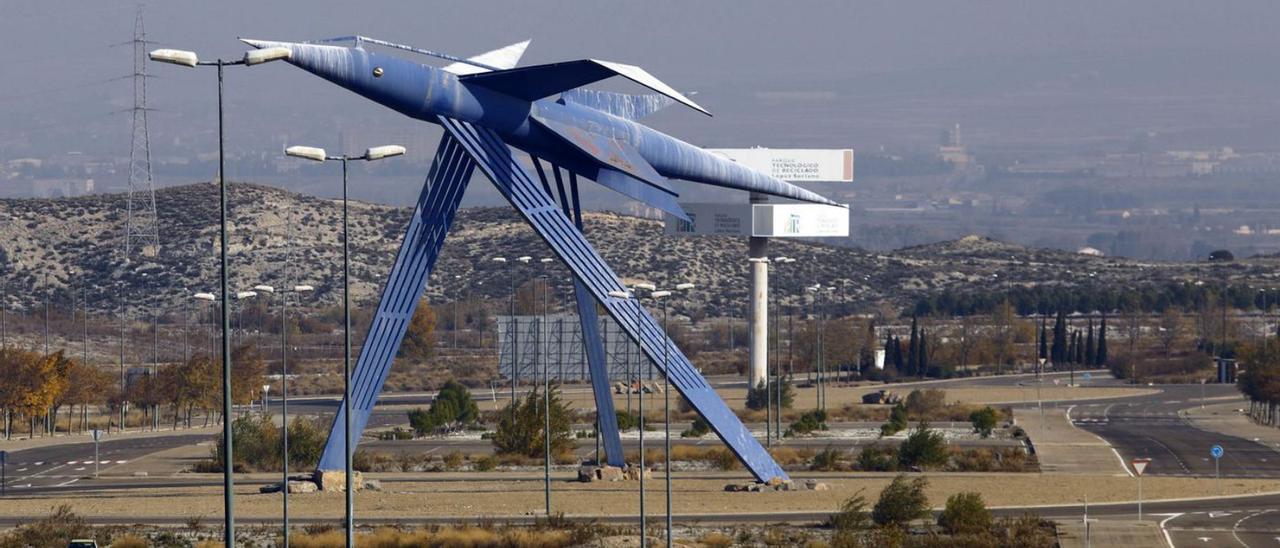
[{"x": 77, "y": 241}]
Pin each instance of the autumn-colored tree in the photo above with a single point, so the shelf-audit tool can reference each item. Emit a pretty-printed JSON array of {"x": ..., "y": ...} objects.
[{"x": 419, "y": 340}]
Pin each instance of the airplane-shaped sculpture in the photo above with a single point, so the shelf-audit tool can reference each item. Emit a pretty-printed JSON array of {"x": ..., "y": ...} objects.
[{"x": 487, "y": 107}]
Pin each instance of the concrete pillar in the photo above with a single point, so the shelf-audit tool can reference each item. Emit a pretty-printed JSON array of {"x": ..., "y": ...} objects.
[{"x": 758, "y": 319}]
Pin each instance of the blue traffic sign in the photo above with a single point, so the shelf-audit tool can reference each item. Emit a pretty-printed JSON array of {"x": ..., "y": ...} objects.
[
  {"x": 1216, "y": 451},
  {"x": 1087, "y": 376}
]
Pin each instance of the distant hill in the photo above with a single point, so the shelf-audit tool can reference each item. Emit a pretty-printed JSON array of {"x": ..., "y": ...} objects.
[{"x": 82, "y": 235}]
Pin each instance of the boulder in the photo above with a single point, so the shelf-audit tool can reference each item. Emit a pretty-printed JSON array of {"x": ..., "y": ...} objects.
[
  {"x": 587, "y": 473},
  {"x": 632, "y": 472},
  {"x": 609, "y": 473},
  {"x": 303, "y": 486},
  {"x": 775, "y": 481},
  {"x": 270, "y": 488},
  {"x": 373, "y": 485},
  {"x": 334, "y": 481}
]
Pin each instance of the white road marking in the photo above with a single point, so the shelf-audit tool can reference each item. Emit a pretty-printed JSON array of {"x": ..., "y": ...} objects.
[
  {"x": 66, "y": 483},
  {"x": 1241, "y": 520},
  {"x": 81, "y": 469},
  {"x": 1168, "y": 539},
  {"x": 24, "y": 469},
  {"x": 124, "y": 461}
]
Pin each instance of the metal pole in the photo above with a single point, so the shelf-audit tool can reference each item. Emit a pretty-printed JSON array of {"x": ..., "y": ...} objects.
[
  {"x": 155, "y": 369},
  {"x": 284, "y": 379},
  {"x": 546, "y": 400},
  {"x": 120, "y": 295},
  {"x": 228, "y": 481},
  {"x": 640, "y": 408},
  {"x": 666, "y": 412},
  {"x": 514, "y": 336},
  {"x": 1139, "y": 497},
  {"x": 346, "y": 364}
]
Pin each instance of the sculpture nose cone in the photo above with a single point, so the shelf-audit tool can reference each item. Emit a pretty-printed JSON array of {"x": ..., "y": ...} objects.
[{"x": 333, "y": 63}]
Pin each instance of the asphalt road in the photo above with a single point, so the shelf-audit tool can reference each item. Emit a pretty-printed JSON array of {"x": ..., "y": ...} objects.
[
  {"x": 62, "y": 466},
  {"x": 1150, "y": 427}
]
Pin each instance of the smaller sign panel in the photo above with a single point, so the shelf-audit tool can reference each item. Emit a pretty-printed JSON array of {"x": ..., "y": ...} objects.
[
  {"x": 1216, "y": 451},
  {"x": 1088, "y": 376},
  {"x": 97, "y": 435},
  {"x": 712, "y": 220},
  {"x": 4, "y": 456},
  {"x": 799, "y": 221},
  {"x": 1140, "y": 465}
]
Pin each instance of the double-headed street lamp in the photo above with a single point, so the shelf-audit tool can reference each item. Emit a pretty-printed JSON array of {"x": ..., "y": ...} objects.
[
  {"x": 284, "y": 391},
  {"x": 370, "y": 155},
  {"x": 666, "y": 397},
  {"x": 190, "y": 59}
]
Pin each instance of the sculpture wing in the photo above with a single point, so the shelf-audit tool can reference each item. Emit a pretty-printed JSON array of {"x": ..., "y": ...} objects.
[
  {"x": 538, "y": 81},
  {"x": 503, "y": 58}
]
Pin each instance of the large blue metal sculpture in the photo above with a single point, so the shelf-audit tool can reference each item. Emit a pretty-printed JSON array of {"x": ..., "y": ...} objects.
[{"x": 487, "y": 107}]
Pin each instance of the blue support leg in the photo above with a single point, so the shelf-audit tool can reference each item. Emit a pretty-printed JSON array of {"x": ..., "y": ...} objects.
[
  {"x": 441, "y": 193},
  {"x": 567, "y": 242}
]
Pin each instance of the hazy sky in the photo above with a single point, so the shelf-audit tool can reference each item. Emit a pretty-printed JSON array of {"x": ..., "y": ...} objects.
[{"x": 57, "y": 69}]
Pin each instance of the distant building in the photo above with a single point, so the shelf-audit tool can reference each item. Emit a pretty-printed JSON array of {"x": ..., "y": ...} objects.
[{"x": 1093, "y": 251}]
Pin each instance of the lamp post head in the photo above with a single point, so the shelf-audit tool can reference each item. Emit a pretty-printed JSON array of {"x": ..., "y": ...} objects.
[
  {"x": 314, "y": 154},
  {"x": 264, "y": 288},
  {"x": 684, "y": 287},
  {"x": 620, "y": 294},
  {"x": 646, "y": 286},
  {"x": 385, "y": 151},
  {"x": 175, "y": 57},
  {"x": 660, "y": 294},
  {"x": 246, "y": 294},
  {"x": 301, "y": 288},
  {"x": 499, "y": 259},
  {"x": 205, "y": 297},
  {"x": 266, "y": 55},
  {"x": 525, "y": 259}
]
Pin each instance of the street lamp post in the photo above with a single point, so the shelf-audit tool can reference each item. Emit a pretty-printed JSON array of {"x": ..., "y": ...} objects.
[
  {"x": 628, "y": 295},
  {"x": 666, "y": 400},
  {"x": 190, "y": 59},
  {"x": 370, "y": 155}
]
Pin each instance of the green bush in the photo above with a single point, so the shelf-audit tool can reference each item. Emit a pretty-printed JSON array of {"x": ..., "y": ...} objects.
[
  {"x": 965, "y": 513},
  {"x": 627, "y": 421},
  {"x": 520, "y": 426},
  {"x": 453, "y": 409},
  {"x": 809, "y": 422},
  {"x": 699, "y": 428},
  {"x": 875, "y": 459},
  {"x": 901, "y": 501},
  {"x": 924, "y": 448},
  {"x": 826, "y": 460},
  {"x": 56, "y": 529},
  {"x": 984, "y": 421},
  {"x": 258, "y": 446},
  {"x": 763, "y": 393},
  {"x": 897, "y": 421}
]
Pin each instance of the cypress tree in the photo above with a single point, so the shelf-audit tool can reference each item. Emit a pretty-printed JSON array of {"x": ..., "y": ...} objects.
[
  {"x": 913, "y": 350},
  {"x": 924, "y": 355},
  {"x": 897, "y": 354},
  {"x": 1090, "y": 358},
  {"x": 1079, "y": 347},
  {"x": 1058, "y": 352},
  {"x": 1044, "y": 348},
  {"x": 1071, "y": 349},
  {"x": 1102, "y": 342}
]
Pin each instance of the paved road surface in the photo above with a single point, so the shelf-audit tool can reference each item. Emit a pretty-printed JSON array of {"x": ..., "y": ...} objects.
[
  {"x": 1149, "y": 426},
  {"x": 62, "y": 466}
]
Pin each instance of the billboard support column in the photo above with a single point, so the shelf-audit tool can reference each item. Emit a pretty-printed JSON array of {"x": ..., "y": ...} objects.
[{"x": 758, "y": 365}]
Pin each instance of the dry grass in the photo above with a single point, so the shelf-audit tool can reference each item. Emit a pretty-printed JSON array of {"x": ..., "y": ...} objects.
[{"x": 452, "y": 537}]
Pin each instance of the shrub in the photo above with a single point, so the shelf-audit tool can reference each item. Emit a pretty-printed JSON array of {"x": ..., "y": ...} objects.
[
  {"x": 826, "y": 460},
  {"x": 58, "y": 528},
  {"x": 901, "y": 501},
  {"x": 452, "y": 409},
  {"x": 258, "y": 446},
  {"x": 699, "y": 428},
  {"x": 763, "y": 393},
  {"x": 486, "y": 463},
  {"x": 852, "y": 515},
  {"x": 922, "y": 404},
  {"x": 874, "y": 459},
  {"x": 520, "y": 426},
  {"x": 809, "y": 422},
  {"x": 984, "y": 421},
  {"x": 897, "y": 421},
  {"x": 924, "y": 448},
  {"x": 965, "y": 513},
  {"x": 627, "y": 421},
  {"x": 453, "y": 460}
]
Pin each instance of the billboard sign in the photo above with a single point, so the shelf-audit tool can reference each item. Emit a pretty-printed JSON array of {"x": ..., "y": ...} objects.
[{"x": 795, "y": 164}]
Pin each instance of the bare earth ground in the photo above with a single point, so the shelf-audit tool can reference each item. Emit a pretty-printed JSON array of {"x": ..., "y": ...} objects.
[{"x": 471, "y": 499}]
